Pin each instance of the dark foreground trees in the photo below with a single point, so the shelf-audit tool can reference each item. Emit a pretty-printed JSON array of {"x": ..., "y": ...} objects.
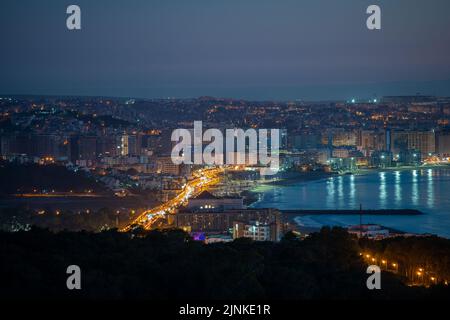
[
  {"x": 169, "y": 265},
  {"x": 421, "y": 260},
  {"x": 16, "y": 178}
]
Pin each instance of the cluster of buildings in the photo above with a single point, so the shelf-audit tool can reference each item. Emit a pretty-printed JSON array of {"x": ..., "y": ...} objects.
[
  {"x": 215, "y": 219},
  {"x": 136, "y": 134},
  {"x": 126, "y": 144},
  {"x": 378, "y": 232},
  {"x": 380, "y": 148}
]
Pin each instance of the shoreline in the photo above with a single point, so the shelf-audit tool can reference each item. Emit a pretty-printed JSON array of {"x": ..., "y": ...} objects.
[
  {"x": 299, "y": 177},
  {"x": 290, "y": 178},
  {"x": 291, "y": 216},
  {"x": 380, "y": 212},
  {"x": 403, "y": 168},
  {"x": 295, "y": 177}
]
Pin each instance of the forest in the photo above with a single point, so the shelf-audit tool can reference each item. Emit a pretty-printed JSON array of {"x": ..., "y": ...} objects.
[
  {"x": 16, "y": 178},
  {"x": 169, "y": 264}
]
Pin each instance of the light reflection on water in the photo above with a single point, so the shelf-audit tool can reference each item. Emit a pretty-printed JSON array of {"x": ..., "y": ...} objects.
[
  {"x": 340, "y": 191},
  {"x": 352, "y": 191},
  {"x": 397, "y": 187},
  {"x": 424, "y": 189},
  {"x": 430, "y": 189},
  {"x": 415, "y": 189},
  {"x": 330, "y": 192},
  {"x": 382, "y": 193}
]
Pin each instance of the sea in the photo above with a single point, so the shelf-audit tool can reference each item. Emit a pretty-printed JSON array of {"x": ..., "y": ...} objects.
[{"x": 424, "y": 189}]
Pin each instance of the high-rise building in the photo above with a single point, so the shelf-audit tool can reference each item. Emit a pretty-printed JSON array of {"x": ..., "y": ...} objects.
[
  {"x": 107, "y": 146},
  {"x": 388, "y": 137},
  {"x": 166, "y": 166},
  {"x": 33, "y": 145},
  {"x": 304, "y": 141},
  {"x": 17, "y": 144},
  {"x": 343, "y": 138},
  {"x": 368, "y": 141},
  {"x": 423, "y": 141},
  {"x": 83, "y": 148},
  {"x": 443, "y": 143},
  {"x": 124, "y": 147},
  {"x": 45, "y": 145}
]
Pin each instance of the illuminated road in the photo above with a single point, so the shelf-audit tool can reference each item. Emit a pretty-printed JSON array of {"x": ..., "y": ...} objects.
[{"x": 203, "y": 179}]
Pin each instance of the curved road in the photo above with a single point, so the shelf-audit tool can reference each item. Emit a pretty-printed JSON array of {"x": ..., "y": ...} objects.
[{"x": 203, "y": 179}]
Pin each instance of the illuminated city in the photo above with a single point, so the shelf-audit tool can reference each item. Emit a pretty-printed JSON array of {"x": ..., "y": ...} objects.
[{"x": 168, "y": 153}]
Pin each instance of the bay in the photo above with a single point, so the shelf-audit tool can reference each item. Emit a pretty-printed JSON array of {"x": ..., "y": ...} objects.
[{"x": 424, "y": 189}]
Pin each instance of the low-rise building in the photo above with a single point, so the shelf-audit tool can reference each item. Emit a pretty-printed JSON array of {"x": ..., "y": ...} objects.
[
  {"x": 255, "y": 230},
  {"x": 207, "y": 201},
  {"x": 371, "y": 231},
  {"x": 214, "y": 221}
]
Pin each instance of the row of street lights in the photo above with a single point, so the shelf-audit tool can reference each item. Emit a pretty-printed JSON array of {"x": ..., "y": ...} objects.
[
  {"x": 421, "y": 277},
  {"x": 384, "y": 262}
]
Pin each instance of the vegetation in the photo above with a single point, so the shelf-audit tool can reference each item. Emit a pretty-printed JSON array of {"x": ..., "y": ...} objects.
[
  {"x": 14, "y": 219},
  {"x": 170, "y": 265},
  {"x": 26, "y": 178},
  {"x": 421, "y": 260}
]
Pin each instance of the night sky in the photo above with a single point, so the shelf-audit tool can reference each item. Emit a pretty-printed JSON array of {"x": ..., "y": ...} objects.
[{"x": 254, "y": 49}]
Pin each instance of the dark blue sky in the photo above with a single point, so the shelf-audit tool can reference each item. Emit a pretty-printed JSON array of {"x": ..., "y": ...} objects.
[{"x": 256, "y": 49}]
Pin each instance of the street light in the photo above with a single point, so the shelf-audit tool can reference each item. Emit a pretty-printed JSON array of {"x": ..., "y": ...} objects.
[
  {"x": 395, "y": 266},
  {"x": 419, "y": 275}
]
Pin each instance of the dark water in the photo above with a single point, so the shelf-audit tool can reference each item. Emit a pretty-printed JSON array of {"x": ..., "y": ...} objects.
[{"x": 427, "y": 190}]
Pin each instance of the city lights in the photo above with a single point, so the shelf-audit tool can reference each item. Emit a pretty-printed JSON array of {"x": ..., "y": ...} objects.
[{"x": 230, "y": 154}]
